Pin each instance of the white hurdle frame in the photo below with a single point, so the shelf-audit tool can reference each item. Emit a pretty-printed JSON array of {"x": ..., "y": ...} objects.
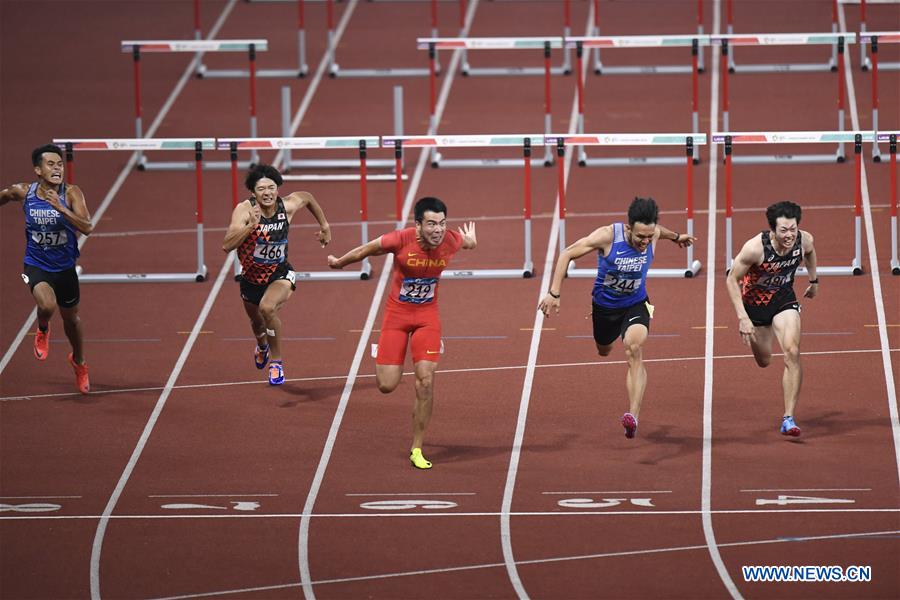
[
  {"x": 203, "y": 72},
  {"x": 729, "y": 139},
  {"x": 891, "y": 139},
  {"x": 198, "y": 145},
  {"x": 361, "y": 143},
  {"x": 433, "y": 45},
  {"x": 637, "y": 41},
  {"x": 137, "y": 47},
  {"x": 335, "y": 71},
  {"x": 524, "y": 141},
  {"x": 599, "y": 69},
  {"x": 786, "y": 39},
  {"x": 873, "y": 39},
  {"x": 864, "y": 61},
  {"x": 831, "y": 65},
  {"x": 686, "y": 140}
]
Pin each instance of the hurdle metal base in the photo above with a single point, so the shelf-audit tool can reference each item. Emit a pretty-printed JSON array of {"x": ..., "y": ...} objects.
[
  {"x": 686, "y": 273},
  {"x": 792, "y": 158},
  {"x": 526, "y": 272},
  {"x": 343, "y": 177},
  {"x": 335, "y": 72},
  {"x": 468, "y": 71},
  {"x": 204, "y": 73},
  {"x": 643, "y": 70},
  {"x": 143, "y": 277},
  {"x": 634, "y": 161},
  {"x": 784, "y": 68},
  {"x": 363, "y": 274},
  {"x": 853, "y": 269},
  {"x": 476, "y": 163},
  {"x": 212, "y": 165},
  {"x": 341, "y": 163}
]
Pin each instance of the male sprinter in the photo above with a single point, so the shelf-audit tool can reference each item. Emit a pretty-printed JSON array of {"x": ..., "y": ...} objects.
[
  {"x": 259, "y": 230},
  {"x": 54, "y": 215},
  {"x": 411, "y": 316},
  {"x": 621, "y": 307},
  {"x": 761, "y": 287}
]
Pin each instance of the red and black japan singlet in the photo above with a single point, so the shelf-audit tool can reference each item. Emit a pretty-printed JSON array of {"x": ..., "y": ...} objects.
[
  {"x": 266, "y": 248},
  {"x": 773, "y": 279}
]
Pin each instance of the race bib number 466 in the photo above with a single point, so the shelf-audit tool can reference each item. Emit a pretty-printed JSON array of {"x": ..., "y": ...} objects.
[
  {"x": 418, "y": 290},
  {"x": 50, "y": 238},
  {"x": 268, "y": 253}
]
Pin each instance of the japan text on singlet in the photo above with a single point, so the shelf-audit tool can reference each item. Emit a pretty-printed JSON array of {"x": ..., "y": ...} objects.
[
  {"x": 51, "y": 242},
  {"x": 266, "y": 247},
  {"x": 622, "y": 273},
  {"x": 417, "y": 271},
  {"x": 774, "y": 275}
]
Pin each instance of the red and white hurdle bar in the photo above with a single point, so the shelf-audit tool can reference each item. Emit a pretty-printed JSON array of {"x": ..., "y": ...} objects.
[
  {"x": 729, "y": 139},
  {"x": 786, "y": 39},
  {"x": 361, "y": 143},
  {"x": 524, "y": 141},
  {"x": 874, "y": 39},
  {"x": 637, "y": 41},
  {"x": 137, "y": 47},
  {"x": 139, "y": 145},
  {"x": 686, "y": 140},
  {"x": 599, "y": 69},
  {"x": 433, "y": 45},
  {"x": 299, "y": 71},
  {"x": 831, "y": 65}
]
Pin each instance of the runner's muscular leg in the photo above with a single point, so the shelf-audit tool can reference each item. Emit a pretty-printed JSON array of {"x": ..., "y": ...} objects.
[
  {"x": 762, "y": 346},
  {"x": 636, "y": 380},
  {"x": 276, "y": 295},
  {"x": 424, "y": 400},
  {"x": 256, "y": 323},
  {"x": 72, "y": 326},
  {"x": 45, "y": 300},
  {"x": 786, "y": 325}
]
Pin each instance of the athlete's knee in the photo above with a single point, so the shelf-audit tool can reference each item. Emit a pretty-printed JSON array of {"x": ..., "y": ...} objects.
[
  {"x": 268, "y": 310},
  {"x": 792, "y": 354},
  {"x": 425, "y": 382},
  {"x": 633, "y": 351},
  {"x": 387, "y": 383},
  {"x": 604, "y": 350},
  {"x": 762, "y": 359}
]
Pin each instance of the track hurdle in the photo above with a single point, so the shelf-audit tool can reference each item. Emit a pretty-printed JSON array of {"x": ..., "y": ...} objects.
[
  {"x": 864, "y": 61},
  {"x": 637, "y": 41},
  {"x": 891, "y": 138},
  {"x": 786, "y": 39},
  {"x": 139, "y": 145},
  {"x": 526, "y": 43},
  {"x": 729, "y": 139},
  {"x": 525, "y": 142},
  {"x": 686, "y": 140},
  {"x": 204, "y": 72},
  {"x": 137, "y": 47},
  {"x": 335, "y": 70},
  {"x": 599, "y": 69},
  {"x": 564, "y": 69},
  {"x": 361, "y": 143},
  {"x": 874, "y": 39},
  {"x": 831, "y": 65}
]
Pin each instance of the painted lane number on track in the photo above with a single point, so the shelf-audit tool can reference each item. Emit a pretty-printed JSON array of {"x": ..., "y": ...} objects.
[
  {"x": 604, "y": 502},
  {"x": 238, "y": 505},
  {"x": 30, "y": 508},
  {"x": 786, "y": 500},
  {"x": 408, "y": 504}
]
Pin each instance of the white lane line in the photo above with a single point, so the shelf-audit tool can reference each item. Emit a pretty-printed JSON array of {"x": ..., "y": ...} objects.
[
  {"x": 558, "y": 559},
  {"x": 889, "y": 380},
  {"x": 809, "y": 490},
  {"x": 706, "y": 485},
  {"x": 537, "y": 328},
  {"x": 676, "y": 359},
  {"x": 363, "y": 344}
]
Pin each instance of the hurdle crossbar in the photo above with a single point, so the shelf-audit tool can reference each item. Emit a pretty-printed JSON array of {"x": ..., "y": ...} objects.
[
  {"x": 830, "y": 65},
  {"x": 198, "y": 145},
  {"x": 335, "y": 70},
  {"x": 686, "y": 140},
  {"x": 864, "y": 61},
  {"x": 361, "y": 143},
  {"x": 524, "y": 141},
  {"x": 874, "y": 39},
  {"x": 600, "y": 69},
  {"x": 563, "y": 69},
  {"x": 786, "y": 39},
  {"x": 637, "y": 41},
  {"x": 891, "y": 139},
  {"x": 544, "y": 44},
  {"x": 138, "y": 47},
  {"x": 729, "y": 139},
  {"x": 301, "y": 70}
]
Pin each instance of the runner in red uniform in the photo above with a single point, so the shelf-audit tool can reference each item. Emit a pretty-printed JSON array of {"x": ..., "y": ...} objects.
[
  {"x": 411, "y": 317},
  {"x": 761, "y": 287}
]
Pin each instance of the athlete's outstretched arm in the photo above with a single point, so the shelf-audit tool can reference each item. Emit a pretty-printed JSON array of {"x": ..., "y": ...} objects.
[
  {"x": 751, "y": 254},
  {"x": 682, "y": 239},
  {"x": 14, "y": 193},
  {"x": 809, "y": 259},
  {"x": 298, "y": 200},
  {"x": 371, "y": 248},
  {"x": 600, "y": 238},
  {"x": 244, "y": 219},
  {"x": 467, "y": 231}
]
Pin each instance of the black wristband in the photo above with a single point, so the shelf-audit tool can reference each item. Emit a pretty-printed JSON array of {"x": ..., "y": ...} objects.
[
  {"x": 816, "y": 281},
  {"x": 677, "y": 235},
  {"x": 554, "y": 295}
]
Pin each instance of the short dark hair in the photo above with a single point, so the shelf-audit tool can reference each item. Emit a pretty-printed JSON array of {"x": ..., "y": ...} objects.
[
  {"x": 258, "y": 172},
  {"x": 37, "y": 155},
  {"x": 643, "y": 210},
  {"x": 786, "y": 209},
  {"x": 428, "y": 203}
]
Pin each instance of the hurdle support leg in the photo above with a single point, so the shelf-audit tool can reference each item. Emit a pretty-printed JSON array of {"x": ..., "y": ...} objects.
[
  {"x": 895, "y": 261},
  {"x": 876, "y": 151}
]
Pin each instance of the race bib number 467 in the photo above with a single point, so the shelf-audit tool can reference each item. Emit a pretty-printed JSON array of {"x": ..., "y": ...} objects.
[{"x": 418, "y": 290}]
